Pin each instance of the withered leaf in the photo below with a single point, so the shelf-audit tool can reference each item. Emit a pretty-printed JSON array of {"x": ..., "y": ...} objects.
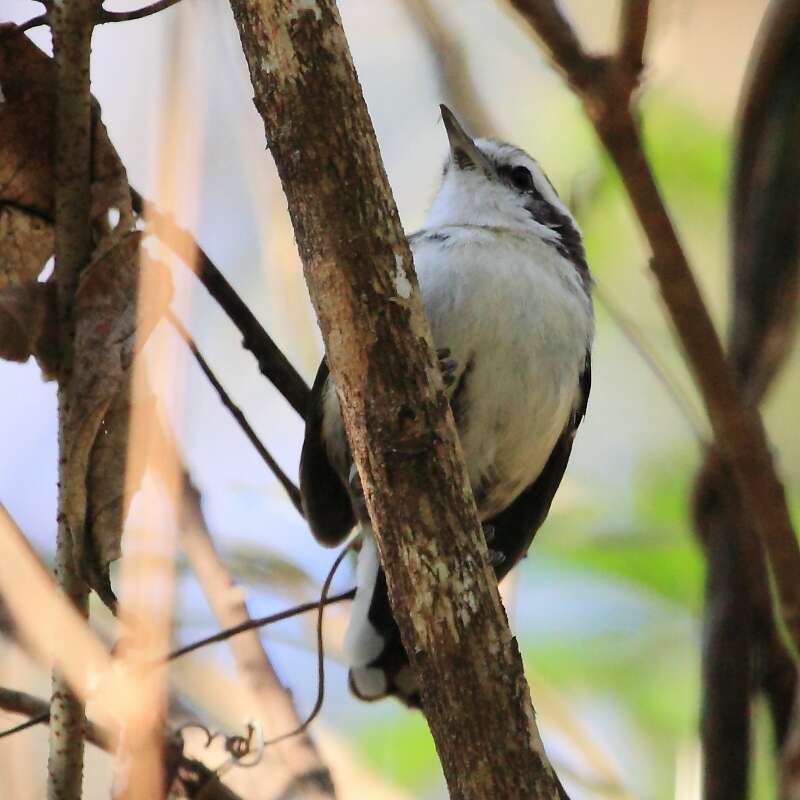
[
  {"x": 28, "y": 324},
  {"x": 27, "y": 76},
  {"x": 99, "y": 392},
  {"x": 26, "y": 243}
]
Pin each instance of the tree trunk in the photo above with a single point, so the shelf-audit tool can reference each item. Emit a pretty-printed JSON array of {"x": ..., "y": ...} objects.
[{"x": 361, "y": 280}]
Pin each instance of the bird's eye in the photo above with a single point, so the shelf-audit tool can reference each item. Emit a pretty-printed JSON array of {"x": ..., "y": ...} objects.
[{"x": 522, "y": 179}]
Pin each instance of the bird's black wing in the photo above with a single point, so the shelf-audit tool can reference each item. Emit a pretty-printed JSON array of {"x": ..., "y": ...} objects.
[
  {"x": 326, "y": 502},
  {"x": 515, "y": 526}
]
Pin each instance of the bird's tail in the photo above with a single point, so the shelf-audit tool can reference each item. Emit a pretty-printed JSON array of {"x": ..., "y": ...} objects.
[{"x": 372, "y": 646}]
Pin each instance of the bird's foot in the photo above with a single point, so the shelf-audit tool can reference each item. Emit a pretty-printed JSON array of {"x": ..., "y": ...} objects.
[
  {"x": 496, "y": 557},
  {"x": 447, "y": 365}
]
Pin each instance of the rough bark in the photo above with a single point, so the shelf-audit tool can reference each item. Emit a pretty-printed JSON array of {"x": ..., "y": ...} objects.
[
  {"x": 71, "y": 25},
  {"x": 362, "y": 282}
]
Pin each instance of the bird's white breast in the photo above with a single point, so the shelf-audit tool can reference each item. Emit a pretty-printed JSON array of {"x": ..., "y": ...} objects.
[{"x": 514, "y": 314}]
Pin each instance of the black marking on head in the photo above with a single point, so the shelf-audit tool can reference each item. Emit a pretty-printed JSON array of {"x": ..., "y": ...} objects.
[{"x": 569, "y": 244}]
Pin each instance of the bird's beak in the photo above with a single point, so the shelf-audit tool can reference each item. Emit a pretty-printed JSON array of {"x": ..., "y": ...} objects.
[{"x": 463, "y": 152}]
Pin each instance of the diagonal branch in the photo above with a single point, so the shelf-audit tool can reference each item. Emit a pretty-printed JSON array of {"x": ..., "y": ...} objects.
[
  {"x": 272, "y": 363},
  {"x": 258, "y": 622},
  {"x": 238, "y": 415},
  {"x": 194, "y": 775},
  {"x": 272, "y": 702},
  {"x": 738, "y": 430},
  {"x": 125, "y": 16}
]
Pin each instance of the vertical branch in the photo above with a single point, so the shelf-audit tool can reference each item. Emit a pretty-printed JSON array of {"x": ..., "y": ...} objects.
[
  {"x": 456, "y": 87},
  {"x": 72, "y": 24},
  {"x": 361, "y": 278}
]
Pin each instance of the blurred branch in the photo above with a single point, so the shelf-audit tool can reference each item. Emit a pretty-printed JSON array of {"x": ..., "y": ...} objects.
[
  {"x": 633, "y": 33},
  {"x": 272, "y": 363},
  {"x": 125, "y": 16},
  {"x": 630, "y": 330},
  {"x": 258, "y": 622},
  {"x": 273, "y": 705},
  {"x": 238, "y": 415},
  {"x": 196, "y": 778},
  {"x": 30, "y": 706},
  {"x": 745, "y": 654},
  {"x": 456, "y": 87},
  {"x": 605, "y": 87},
  {"x": 71, "y": 24}
]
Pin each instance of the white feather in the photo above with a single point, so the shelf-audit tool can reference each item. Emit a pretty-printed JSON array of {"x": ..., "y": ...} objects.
[{"x": 362, "y": 643}]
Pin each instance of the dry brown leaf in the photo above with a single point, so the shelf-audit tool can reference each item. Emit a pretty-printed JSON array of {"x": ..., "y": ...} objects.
[
  {"x": 27, "y": 324},
  {"x": 99, "y": 389},
  {"x": 96, "y": 428},
  {"x": 26, "y": 132},
  {"x": 26, "y": 243}
]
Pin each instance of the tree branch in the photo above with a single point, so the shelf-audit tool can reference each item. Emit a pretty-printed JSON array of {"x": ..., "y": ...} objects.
[
  {"x": 195, "y": 775},
  {"x": 273, "y": 705},
  {"x": 71, "y": 25},
  {"x": 258, "y": 622},
  {"x": 634, "y": 16},
  {"x": 238, "y": 415},
  {"x": 456, "y": 87},
  {"x": 272, "y": 363},
  {"x": 361, "y": 279},
  {"x": 104, "y": 16},
  {"x": 738, "y": 430}
]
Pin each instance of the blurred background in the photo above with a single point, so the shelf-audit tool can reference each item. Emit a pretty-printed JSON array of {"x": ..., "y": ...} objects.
[{"x": 606, "y": 607}]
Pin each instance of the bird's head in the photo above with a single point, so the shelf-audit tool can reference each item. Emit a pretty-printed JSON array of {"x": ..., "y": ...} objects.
[{"x": 491, "y": 183}]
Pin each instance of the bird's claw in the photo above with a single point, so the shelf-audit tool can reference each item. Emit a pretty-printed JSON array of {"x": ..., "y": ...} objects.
[{"x": 447, "y": 365}]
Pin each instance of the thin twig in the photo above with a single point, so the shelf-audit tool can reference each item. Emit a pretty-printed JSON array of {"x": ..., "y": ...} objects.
[
  {"x": 323, "y": 601},
  {"x": 191, "y": 773},
  {"x": 104, "y": 16},
  {"x": 738, "y": 430},
  {"x": 456, "y": 87},
  {"x": 259, "y": 622},
  {"x": 237, "y": 414},
  {"x": 34, "y": 22},
  {"x": 658, "y": 367},
  {"x": 270, "y": 702},
  {"x": 23, "y": 726},
  {"x": 37, "y": 709},
  {"x": 272, "y": 363}
]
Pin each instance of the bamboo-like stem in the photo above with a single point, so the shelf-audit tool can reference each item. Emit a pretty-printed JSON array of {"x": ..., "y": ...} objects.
[{"x": 72, "y": 25}]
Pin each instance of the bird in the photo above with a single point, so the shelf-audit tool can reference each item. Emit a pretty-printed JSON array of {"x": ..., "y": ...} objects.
[{"x": 506, "y": 289}]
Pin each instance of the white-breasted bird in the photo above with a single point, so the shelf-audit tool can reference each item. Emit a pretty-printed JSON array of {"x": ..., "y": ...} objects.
[{"x": 507, "y": 292}]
